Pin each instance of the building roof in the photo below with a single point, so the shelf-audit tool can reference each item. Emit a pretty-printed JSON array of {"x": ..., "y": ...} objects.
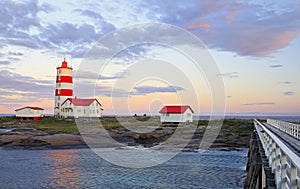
[
  {"x": 33, "y": 108},
  {"x": 175, "y": 109},
  {"x": 81, "y": 101}
]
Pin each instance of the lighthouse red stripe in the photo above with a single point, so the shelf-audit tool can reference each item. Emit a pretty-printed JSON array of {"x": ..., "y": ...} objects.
[
  {"x": 64, "y": 79},
  {"x": 63, "y": 92}
]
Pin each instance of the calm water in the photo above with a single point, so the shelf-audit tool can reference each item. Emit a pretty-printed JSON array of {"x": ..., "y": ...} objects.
[{"x": 81, "y": 168}]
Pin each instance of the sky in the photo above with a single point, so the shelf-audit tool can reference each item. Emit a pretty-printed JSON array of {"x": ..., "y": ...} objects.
[{"x": 255, "y": 45}]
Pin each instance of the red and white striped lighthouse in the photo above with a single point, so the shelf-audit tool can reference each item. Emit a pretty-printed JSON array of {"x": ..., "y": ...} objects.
[{"x": 64, "y": 86}]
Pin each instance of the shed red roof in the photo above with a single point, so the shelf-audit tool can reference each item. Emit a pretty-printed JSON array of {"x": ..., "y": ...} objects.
[
  {"x": 34, "y": 108},
  {"x": 81, "y": 102},
  {"x": 175, "y": 109}
]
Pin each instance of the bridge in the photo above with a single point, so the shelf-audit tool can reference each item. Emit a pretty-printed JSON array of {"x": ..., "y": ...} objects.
[{"x": 278, "y": 145}]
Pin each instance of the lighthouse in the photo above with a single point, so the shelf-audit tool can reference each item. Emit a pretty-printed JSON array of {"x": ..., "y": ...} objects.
[{"x": 64, "y": 86}]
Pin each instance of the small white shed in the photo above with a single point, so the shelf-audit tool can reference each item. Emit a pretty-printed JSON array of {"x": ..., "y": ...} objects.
[
  {"x": 176, "y": 114},
  {"x": 29, "y": 113}
]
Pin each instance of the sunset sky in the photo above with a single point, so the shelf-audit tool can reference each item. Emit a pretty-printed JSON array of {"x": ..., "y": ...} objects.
[{"x": 255, "y": 44}]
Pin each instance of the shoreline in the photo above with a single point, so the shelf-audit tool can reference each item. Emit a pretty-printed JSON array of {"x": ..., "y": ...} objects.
[{"x": 61, "y": 134}]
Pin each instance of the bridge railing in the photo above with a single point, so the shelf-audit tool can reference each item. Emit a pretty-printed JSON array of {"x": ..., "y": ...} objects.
[
  {"x": 284, "y": 162},
  {"x": 290, "y": 128}
]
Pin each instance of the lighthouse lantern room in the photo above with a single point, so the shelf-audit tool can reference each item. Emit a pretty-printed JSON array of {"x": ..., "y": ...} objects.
[{"x": 64, "y": 86}]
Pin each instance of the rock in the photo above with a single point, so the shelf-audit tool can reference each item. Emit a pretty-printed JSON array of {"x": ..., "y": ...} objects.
[{"x": 136, "y": 137}]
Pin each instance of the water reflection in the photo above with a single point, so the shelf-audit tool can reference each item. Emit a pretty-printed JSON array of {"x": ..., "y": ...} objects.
[{"x": 64, "y": 171}]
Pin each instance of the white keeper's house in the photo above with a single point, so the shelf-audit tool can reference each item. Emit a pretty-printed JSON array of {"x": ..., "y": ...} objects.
[
  {"x": 76, "y": 107},
  {"x": 176, "y": 114},
  {"x": 29, "y": 113}
]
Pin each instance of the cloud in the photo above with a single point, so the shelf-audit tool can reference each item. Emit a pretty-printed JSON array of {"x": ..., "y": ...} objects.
[
  {"x": 47, "y": 8},
  {"x": 66, "y": 33},
  {"x": 246, "y": 28},
  {"x": 259, "y": 103},
  {"x": 229, "y": 75},
  {"x": 18, "y": 15},
  {"x": 276, "y": 66},
  {"x": 287, "y": 82},
  {"x": 205, "y": 26},
  {"x": 4, "y": 62},
  {"x": 15, "y": 53},
  {"x": 24, "y": 88},
  {"x": 144, "y": 90},
  {"x": 19, "y": 19},
  {"x": 288, "y": 93}
]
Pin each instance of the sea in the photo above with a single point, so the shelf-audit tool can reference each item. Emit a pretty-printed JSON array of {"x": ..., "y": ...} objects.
[{"x": 82, "y": 168}]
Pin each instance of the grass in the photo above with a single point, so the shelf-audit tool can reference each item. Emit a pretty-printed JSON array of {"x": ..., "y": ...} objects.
[
  {"x": 110, "y": 123},
  {"x": 50, "y": 123},
  {"x": 7, "y": 119}
]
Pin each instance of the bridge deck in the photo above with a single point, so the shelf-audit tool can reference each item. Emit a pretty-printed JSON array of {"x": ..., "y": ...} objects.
[{"x": 291, "y": 142}]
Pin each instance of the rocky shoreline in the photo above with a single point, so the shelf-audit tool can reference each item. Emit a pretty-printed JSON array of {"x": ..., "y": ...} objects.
[{"x": 234, "y": 134}]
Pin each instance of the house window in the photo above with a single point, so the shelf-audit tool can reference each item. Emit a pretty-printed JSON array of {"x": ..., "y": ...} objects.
[
  {"x": 59, "y": 71},
  {"x": 58, "y": 91},
  {"x": 97, "y": 111},
  {"x": 167, "y": 114},
  {"x": 84, "y": 111},
  {"x": 58, "y": 98}
]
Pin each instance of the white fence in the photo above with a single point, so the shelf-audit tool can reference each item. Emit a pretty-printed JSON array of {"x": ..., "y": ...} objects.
[
  {"x": 284, "y": 162},
  {"x": 290, "y": 128}
]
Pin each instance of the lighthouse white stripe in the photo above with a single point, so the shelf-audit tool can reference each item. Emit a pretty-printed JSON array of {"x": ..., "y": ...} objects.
[
  {"x": 66, "y": 72},
  {"x": 64, "y": 86}
]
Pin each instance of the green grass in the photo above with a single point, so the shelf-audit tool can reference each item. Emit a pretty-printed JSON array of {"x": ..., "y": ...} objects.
[
  {"x": 7, "y": 119},
  {"x": 51, "y": 123},
  {"x": 109, "y": 123}
]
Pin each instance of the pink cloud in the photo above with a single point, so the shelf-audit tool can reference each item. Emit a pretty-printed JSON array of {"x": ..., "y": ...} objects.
[
  {"x": 205, "y": 26},
  {"x": 198, "y": 25},
  {"x": 232, "y": 13},
  {"x": 266, "y": 42}
]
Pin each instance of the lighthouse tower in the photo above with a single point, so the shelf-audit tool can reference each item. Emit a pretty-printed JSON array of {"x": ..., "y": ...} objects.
[{"x": 64, "y": 86}]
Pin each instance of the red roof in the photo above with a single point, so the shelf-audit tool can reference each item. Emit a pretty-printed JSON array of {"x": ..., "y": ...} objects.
[
  {"x": 81, "y": 102},
  {"x": 175, "y": 109},
  {"x": 34, "y": 108}
]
